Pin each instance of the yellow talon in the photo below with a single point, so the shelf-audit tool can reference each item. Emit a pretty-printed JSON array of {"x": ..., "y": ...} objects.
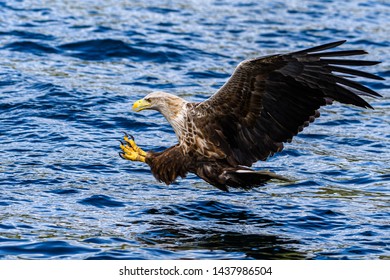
[
  {"x": 134, "y": 146},
  {"x": 131, "y": 151}
]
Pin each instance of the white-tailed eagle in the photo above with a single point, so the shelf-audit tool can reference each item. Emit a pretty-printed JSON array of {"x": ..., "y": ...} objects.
[{"x": 265, "y": 103}]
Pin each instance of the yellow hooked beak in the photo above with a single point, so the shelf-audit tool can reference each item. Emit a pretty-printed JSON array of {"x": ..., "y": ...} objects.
[{"x": 140, "y": 105}]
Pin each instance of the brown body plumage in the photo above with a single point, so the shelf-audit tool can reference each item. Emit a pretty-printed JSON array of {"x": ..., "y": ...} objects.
[{"x": 265, "y": 103}]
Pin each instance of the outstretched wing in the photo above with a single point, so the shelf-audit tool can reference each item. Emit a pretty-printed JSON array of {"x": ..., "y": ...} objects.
[{"x": 269, "y": 100}]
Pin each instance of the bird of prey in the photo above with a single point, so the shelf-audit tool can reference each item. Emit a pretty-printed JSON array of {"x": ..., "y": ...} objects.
[{"x": 264, "y": 104}]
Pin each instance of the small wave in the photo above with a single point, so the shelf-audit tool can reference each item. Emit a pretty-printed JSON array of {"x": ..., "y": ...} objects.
[
  {"x": 97, "y": 240},
  {"x": 6, "y": 227},
  {"x": 211, "y": 210},
  {"x": 31, "y": 47},
  {"x": 28, "y": 35},
  {"x": 101, "y": 201},
  {"x": 370, "y": 42},
  {"x": 47, "y": 249},
  {"x": 219, "y": 243},
  {"x": 207, "y": 75},
  {"x": 101, "y": 49},
  {"x": 64, "y": 191},
  {"x": 163, "y": 11}
]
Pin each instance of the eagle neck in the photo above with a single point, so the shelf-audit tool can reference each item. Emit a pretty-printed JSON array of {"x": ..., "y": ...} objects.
[{"x": 177, "y": 118}]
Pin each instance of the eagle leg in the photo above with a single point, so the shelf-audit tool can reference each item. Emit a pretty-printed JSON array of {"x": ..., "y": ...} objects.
[{"x": 131, "y": 151}]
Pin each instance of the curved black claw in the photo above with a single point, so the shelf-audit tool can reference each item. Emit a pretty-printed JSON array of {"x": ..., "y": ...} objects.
[
  {"x": 121, "y": 155},
  {"x": 128, "y": 135}
]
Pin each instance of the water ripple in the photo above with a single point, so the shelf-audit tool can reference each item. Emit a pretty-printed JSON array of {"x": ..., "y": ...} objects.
[
  {"x": 101, "y": 201},
  {"x": 68, "y": 77},
  {"x": 47, "y": 249},
  {"x": 31, "y": 47},
  {"x": 107, "y": 48}
]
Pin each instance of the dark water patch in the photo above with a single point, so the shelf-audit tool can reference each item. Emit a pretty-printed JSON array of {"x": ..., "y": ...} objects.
[
  {"x": 6, "y": 227},
  {"x": 316, "y": 223},
  {"x": 10, "y": 7},
  {"x": 64, "y": 191},
  {"x": 355, "y": 142},
  {"x": 27, "y": 25},
  {"x": 267, "y": 43},
  {"x": 313, "y": 135},
  {"x": 7, "y": 82},
  {"x": 28, "y": 35},
  {"x": 252, "y": 245},
  {"x": 166, "y": 24},
  {"x": 31, "y": 47},
  {"x": 118, "y": 255},
  {"x": 23, "y": 226},
  {"x": 358, "y": 251},
  {"x": 45, "y": 250},
  {"x": 211, "y": 210},
  {"x": 371, "y": 43},
  {"x": 53, "y": 102},
  {"x": 102, "y": 49},
  {"x": 148, "y": 79},
  {"x": 327, "y": 212},
  {"x": 99, "y": 29},
  {"x": 239, "y": 245},
  {"x": 289, "y": 152},
  {"x": 134, "y": 33},
  {"x": 6, "y": 240},
  {"x": 369, "y": 233},
  {"x": 135, "y": 253},
  {"x": 309, "y": 183},
  {"x": 360, "y": 180},
  {"x": 160, "y": 10},
  {"x": 50, "y": 88},
  {"x": 97, "y": 240},
  {"x": 101, "y": 201},
  {"x": 207, "y": 75},
  {"x": 340, "y": 122},
  {"x": 377, "y": 244},
  {"x": 17, "y": 198},
  {"x": 155, "y": 85},
  {"x": 84, "y": 27}
]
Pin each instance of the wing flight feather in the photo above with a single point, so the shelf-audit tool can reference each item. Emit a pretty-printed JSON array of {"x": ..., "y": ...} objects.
[{"x": 268, "y": 100}]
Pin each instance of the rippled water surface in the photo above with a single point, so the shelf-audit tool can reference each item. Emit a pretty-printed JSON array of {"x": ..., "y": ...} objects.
[{"x": 69, "y": 72}]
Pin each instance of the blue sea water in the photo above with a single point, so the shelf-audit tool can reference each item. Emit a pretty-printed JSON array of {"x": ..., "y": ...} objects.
[{"x": 69, "y": 72}]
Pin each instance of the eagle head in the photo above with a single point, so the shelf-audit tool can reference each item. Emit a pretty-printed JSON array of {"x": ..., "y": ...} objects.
[
  {"x": 158, "y": 100},
  {"x": 172, "y": 107}
]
